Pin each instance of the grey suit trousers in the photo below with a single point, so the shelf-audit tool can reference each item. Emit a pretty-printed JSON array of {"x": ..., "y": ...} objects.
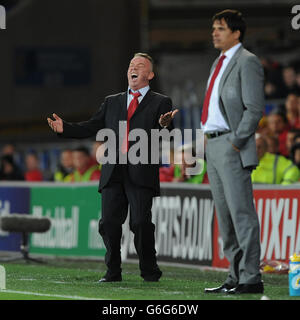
[{"x": 232, "y": 192}]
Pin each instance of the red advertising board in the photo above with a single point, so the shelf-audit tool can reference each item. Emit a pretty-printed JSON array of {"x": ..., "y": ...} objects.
[
  {"x": 279, "y": 216},
  {"x": 186, "y": 226}
]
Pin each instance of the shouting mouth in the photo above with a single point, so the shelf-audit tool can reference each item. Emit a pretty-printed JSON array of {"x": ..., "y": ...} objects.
[{"x": 134, "y": 76}]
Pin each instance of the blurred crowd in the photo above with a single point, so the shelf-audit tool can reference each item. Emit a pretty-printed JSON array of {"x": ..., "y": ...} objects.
[
  {"x": 277, "y": 143},
  {"x": 281, "y": 80},
  {"x": 75, "y": 165},
  {"x": 277, "y": 136}
]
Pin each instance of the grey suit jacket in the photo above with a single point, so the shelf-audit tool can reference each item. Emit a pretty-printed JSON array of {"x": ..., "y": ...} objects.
[{"x": 241, "y": 91}]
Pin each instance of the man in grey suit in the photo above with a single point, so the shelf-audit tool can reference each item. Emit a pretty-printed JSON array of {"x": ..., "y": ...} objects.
[{"x": 232, "y": 108}]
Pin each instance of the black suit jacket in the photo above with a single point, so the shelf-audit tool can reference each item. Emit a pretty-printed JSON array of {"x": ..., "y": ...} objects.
[{"x": 113, "y": 110}]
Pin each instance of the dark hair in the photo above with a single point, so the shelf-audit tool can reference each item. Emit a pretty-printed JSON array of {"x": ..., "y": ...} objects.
[
  {"x": 294, "y": 130},
  {"x": 234, "y": 20},
  {"x": 296, "y": 137},
  {"x": 8, "y": 159},
  {"x": 280, "y": 113},
  {"x": 33, "y": 154},
  {"x": 293, "y": 150},
  {"x": 83, "y": 150}
]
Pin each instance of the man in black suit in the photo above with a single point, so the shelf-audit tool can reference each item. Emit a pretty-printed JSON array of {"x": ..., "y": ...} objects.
[{"x": 127, "y": 184}]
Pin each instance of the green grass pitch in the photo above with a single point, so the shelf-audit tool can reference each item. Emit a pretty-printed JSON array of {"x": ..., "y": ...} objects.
[{"x": 59, "y": 279}]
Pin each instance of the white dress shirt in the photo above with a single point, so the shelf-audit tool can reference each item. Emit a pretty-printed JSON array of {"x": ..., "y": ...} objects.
[
  {"x": 142, "y": 91},
  {"x": 215, "y": 120}
]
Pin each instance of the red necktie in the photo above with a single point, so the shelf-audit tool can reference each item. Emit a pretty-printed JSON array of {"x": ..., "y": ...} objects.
[
  {"x": 131, "y": 109},
  {"x": 209, "y": 90}
]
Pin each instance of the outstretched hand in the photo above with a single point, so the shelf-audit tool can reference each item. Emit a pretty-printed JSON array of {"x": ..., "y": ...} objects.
[
  {"x": 57, "y": 124},
  {"x": 165, "y": 119}
]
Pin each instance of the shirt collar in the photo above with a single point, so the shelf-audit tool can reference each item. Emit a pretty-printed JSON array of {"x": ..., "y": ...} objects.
[
  {"x": 230, "y": 52},
  {"x": 142, "y": 91}
]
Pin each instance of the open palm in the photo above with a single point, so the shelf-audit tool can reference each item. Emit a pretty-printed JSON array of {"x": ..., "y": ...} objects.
[
  {"x": 57, "y": 124},
  {"x": 165, "y": 119}
]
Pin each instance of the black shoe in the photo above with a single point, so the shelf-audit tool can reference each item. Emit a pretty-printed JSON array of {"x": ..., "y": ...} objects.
[
  {"x": 153, "y": 277},
  {"x": 224, "y": 288},
  {"x": 248, "y": 288},
  {"x": 110, "y": 279}
]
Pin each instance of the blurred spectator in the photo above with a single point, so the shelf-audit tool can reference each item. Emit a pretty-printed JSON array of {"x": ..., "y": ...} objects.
[
  {"x": 166, "y": 174},
  {"x": 84, "y": 171},
  {"x": 273, "y": 144},
  {"x": 289, "y": 80},
  {"x": 295, "y": 154},
  {"x": 278, "y": 127},
  {"x": 296, "y": 139},
  {"x": 187, "y": 153},
  {"x": 273, "y": 79},
  {"x": 9, "y": 170},
  {"x": 65, "y": 167},
  {"x": 98, "y": 149},
  {"x": 262, "y": 125},
  {"x": 273, "y": 168},
  {"x": 298, "y": 80},
  {"x": 271, "y": 91},
  {"x": 290, "y": 138},
  {"x": 33, "y": 172},
  {"x": 8, "y": 149},
  {"x": 298, "y": 106},
  {"x": 166, "y": 171},
  {"x": 291, "y": 107}
]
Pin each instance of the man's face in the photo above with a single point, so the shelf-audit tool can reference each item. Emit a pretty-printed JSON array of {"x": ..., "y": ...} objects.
[
  {"x": 139, "y": 73},
  {"x": 289, "y": 76},
  {"x": 275, "y": 123},
  {"x": 289, "y": 140},
  {"x": 223, "y": 37},
  {"x": 67, "y": 159},
  {"x": 291, "y": 103},
  {"x": 7, "y": 167},
  {"x": 80, "y": 160},
  {"x": 261, "y": 147},
  {"x": 31, "y": 162},
  {"x": 297, "y": 156},
  {"x": 272, "y": 143}
]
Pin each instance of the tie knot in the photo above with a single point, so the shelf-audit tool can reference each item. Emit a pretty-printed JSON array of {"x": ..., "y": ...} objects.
[
  {"x": 135, "y": 94},
  {"x": 222, "y": 57}
]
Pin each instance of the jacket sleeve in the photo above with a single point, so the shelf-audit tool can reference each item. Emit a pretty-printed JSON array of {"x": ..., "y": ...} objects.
[
  {"x": 252, "y": 92},
  {"x": 85, "y": 129}
]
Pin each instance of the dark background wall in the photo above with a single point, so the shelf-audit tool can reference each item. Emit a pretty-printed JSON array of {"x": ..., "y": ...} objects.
[
  {"x": 54, "y": 31},
  {"x": 65, "y": 56}
]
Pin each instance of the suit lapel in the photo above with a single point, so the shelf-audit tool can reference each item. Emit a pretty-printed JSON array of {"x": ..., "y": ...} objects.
[
  {"x": 123, "y": 106},
  {"x": 228, "y": 69},
  {"x": 213, "y": 66}
]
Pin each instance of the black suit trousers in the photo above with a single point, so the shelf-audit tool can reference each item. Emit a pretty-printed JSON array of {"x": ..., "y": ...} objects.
[{"x": 116, "y": 196}]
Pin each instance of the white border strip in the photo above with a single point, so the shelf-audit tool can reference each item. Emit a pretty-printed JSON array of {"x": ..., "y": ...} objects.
[
  {"x": 48, "y": 295},
  {"x": 163, "y": 185},
  {"x": 53, "y": 184}
]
